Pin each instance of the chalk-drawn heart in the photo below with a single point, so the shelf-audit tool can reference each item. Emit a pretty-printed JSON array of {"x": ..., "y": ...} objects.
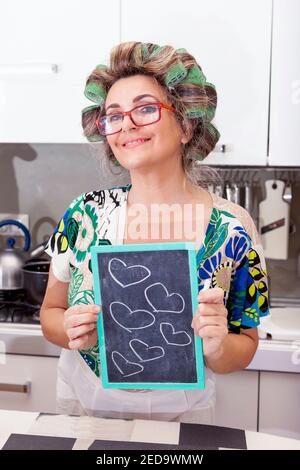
[
  {"x": 158, "y": 297},
  {"x": 126, "y": 275},
  {"x": 130, "y": 319},
  {"x": 145, "y": 352},
  {"x": 125, "y": 367},
  {"x": 176, "y": 338}
]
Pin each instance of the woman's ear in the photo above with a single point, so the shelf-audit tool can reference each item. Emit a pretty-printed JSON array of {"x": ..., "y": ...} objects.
[{"x": 185, "y": 138}]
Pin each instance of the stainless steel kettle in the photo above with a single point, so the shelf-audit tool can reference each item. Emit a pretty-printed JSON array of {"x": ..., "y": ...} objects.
[{"x": 13, "y": 259}]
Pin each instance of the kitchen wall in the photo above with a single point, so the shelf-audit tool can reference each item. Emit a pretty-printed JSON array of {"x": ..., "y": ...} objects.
[{"x": 41, "y": 180}]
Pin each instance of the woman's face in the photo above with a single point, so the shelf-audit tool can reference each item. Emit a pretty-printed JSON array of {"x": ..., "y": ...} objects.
[{"x": 163, "y": 138}]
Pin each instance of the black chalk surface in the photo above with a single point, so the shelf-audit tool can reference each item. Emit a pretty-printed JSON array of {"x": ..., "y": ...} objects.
[{"x": 148, "y": 300}]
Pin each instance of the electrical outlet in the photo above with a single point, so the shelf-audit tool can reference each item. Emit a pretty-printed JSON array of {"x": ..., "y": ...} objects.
[{"x": 13, "y": 230}]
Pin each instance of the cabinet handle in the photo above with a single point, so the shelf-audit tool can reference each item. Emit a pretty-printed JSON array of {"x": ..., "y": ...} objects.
[
  {"x": 19, "y": 388},
  {"x": 220, "y": 148},
  {"x": 28, "y": 69}
]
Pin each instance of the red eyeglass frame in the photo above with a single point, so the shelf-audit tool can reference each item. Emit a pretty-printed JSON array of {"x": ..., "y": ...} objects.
[{"x": 128, "y": 113}]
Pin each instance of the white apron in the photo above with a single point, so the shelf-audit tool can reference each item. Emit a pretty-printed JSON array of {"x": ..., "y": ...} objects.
[{"x": 80, "y": 391}]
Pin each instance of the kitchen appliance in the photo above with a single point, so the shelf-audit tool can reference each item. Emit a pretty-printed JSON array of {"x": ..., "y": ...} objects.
[
  {"x": 12, "y": 259},
  {"x": 23, "y": 279},
  {"x": 19, "y": 311},
  {"x": 35, "y": 280}
]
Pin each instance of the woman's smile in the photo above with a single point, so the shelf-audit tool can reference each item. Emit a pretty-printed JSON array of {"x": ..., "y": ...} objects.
[{"x": 134, "y": 143}]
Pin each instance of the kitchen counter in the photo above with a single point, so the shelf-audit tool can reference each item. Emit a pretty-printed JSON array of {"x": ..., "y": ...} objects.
[
  {"x": 22, "y": 338},
  {"x": 277, "y": 356},
  {"x": 24, "y": 430},
  {"x": 271, "y": 355}
]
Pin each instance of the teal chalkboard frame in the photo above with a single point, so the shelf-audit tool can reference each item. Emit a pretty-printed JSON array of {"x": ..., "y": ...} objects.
[{"x": 190, "y": 247}]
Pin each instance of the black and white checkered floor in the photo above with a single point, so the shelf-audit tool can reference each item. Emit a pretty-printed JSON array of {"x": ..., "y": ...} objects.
[{"x": 26, "y": 430}]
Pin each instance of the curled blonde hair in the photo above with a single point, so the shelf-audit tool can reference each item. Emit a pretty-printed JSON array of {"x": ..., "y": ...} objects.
[{"x": 185, "y": 87}]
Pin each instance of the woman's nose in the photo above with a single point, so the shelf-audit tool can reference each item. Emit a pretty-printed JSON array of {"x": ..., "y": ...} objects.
[{"x": 127, "y": 123}]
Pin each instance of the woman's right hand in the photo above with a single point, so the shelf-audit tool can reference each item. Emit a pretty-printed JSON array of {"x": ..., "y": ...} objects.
[{"x": 80, "y": 324}]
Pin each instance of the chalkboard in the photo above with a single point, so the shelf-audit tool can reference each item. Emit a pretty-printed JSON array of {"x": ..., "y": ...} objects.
[{"x": 148, "y": 293}]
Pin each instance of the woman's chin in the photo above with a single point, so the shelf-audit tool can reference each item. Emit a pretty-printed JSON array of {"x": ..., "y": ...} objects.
[{"x": 135, "y": 164}]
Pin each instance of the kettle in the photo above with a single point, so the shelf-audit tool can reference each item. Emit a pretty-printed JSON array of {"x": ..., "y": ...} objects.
[{"x": 13, "y": 259}]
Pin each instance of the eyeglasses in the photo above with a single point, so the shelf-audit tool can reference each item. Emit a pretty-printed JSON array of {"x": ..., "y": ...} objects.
[{"x": 142, "y": 115}]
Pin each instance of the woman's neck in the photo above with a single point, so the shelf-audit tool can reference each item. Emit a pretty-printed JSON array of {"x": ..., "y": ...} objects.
[{"x": 162, "y": 189}]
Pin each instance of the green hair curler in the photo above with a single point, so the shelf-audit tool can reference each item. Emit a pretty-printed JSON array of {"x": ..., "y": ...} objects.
[
  {"x": 198, "y": 112},
  {"x": 145, "y": 52},
  {"x": 200, "y": 156},
  {"x": 213, "y": 131},
  {"x": 195, "y": 76},
  {"x": 155, "y": 51},
  {"x": 95, "y": 92},
  {"x": 95, "y": 138},
  {"x": 175, "y": 74},
  {"x": 182, "y": 50},
  {"x": 92, "y": 107},
  {"x": 101, "y": 67},
  {"x": 84, "y": 115}
]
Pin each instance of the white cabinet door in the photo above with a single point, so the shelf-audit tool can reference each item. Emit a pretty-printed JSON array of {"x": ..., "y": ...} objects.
[
  {"x": 237, "y": 400},
  {"x": 279, "y": 410},
  {"x": 47, "y": 51},
  {"x": 28, "y": 383},
  {"x": 231, "y": 41},
  {"x": 285, "y": 85}
]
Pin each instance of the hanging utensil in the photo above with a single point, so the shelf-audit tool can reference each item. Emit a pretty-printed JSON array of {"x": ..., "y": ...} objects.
[
  {"x": 287, "y": 197},
  {"x": 248, "y": 201},
  {"x": 274, "y": 221},
  {"x": 219, "y": 190},
  {"x": 229, "y": 192},
  {"x": 287, "y": 194},
  {"x": 236, "y": 194}
]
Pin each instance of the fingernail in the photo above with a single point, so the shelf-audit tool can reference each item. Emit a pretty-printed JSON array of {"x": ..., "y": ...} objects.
[{"x": 96, "y": 308}]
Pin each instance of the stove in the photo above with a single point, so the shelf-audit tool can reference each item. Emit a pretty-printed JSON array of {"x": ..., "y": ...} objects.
[
  {"x": 20, "y": 328},
  {"x": 14, "y": 308}
]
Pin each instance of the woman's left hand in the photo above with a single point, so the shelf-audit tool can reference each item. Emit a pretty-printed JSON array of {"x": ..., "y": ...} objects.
[{"x": 210, "y": 321}]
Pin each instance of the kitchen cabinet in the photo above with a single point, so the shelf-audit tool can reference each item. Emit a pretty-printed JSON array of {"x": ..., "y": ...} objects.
[
  {"x": 279, "y": 411},
  {"x": 285, "y": 85},
  {"x": 237, "y": 400},
  {"x": 49, "y": 49},
  {"x": 231, "y": 41},
  {"x": 28, "y": 383}
]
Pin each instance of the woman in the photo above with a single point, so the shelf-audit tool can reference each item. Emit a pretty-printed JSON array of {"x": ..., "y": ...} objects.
[{"x": 153, "y": 112}]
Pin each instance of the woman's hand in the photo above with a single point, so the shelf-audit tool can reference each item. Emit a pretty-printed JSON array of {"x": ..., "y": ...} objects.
[
  {"x": 210, "y": 321},
  {"x": 80, "y": 325}
]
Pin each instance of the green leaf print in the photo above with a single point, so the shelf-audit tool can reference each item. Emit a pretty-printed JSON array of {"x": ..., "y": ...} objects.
[
  {"x": 89, "y": 297},
  {"x": 216, "y": 219},
  {"x": 228, "y": 214},
  {"x": 217, "y": 240},
  {"x": 85, "y": 297},
  {"x": 219, "y": 223},
  {"x": 72, "y": 232},
  {"x": 237, "y": 301},
  {"x": 76, "y": 282},
  {"x": 215, "y": 216}
]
